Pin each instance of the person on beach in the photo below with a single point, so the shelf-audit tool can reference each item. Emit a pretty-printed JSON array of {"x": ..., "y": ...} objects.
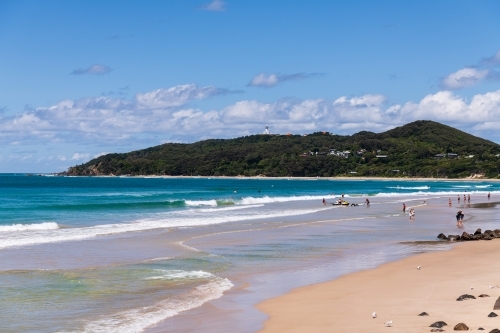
[
  {"x": 459, "y": 199},
  {"x": 324, "y": 201},
  {"x": 488, "y": 195},
  {"x": 367, "y": 202},
  {"x": 342, "y": 196},
  {"x": 404, "y": 207},
  {"x": 412, "y": 214},
  {"x": 464, "y": 199},
  {"x": 459, "y": 215},
  {"x": 449, "y": 202},
  {"x": 468, "y": 198}
]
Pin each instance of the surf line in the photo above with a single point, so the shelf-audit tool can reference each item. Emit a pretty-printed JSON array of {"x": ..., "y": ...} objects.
[{"x": 181, "y": 243}]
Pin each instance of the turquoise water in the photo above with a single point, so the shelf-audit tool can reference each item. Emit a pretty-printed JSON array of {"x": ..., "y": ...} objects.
[{"x": 113, "y": 254}]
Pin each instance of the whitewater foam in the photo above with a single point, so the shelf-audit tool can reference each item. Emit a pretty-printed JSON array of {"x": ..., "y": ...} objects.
[
  {"x": 266, "y": 199},
  {"x": 201, "y": 203},
  {"x": 29, "y": 227},
  {"x": 175, "y": 274},
  {"x": 137, "y": 320}
]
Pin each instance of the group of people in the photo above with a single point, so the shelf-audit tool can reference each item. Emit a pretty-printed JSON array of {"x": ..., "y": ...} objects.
[{"x": 342, "y": 202}]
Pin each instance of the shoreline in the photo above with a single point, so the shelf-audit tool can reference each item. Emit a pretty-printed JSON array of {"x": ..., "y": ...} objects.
[
  {"x": 417, "y": 179},
  {"x": 397, "y": 291}
]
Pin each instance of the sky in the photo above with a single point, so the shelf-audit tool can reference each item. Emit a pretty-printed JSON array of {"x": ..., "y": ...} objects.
[{"x": 79, "y": 79}]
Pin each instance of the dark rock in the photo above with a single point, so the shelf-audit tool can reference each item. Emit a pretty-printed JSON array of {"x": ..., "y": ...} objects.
[
  {"x": 465, "y": 297},
  {"x": 465, "y": 236},
  {"x": 486, "y": 237},
  {"x": 495, "y": 330},
  {"x": 437, "y": 330},
  {"x": 480, "y": 329},
  {"x": 424, "y": 314},
  {"x": 439, "y": 324},
  {"x": 497, "y": 231},
  {"x": 461, "y": 327},
  {"x": 478, "y": 232},
  {"x": 492, "y": 314},
  {"x": 483, "y": 295},
  {"x": 453, "y": 238},
  {"x": 442, "y": 236},
  {"x": 476, "y": 237}
]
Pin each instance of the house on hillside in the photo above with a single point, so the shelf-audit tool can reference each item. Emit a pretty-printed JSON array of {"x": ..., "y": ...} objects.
[
  {"x": 439, "y": 156},
  {"x": 452, "y": 155}
]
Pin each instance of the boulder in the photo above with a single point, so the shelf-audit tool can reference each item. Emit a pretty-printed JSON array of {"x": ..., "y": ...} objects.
[
  {"x": 478, "y": 232},
  {"x": 453, "y": 238},
  {"x": 437, "y": 330},
  {"x": 486, "y": 237},
  {"x": 442, "y": 236},
  {"x": 483, "y": 295},
  {"x": 492, "y": 314},
  {"x": 424, "y": 314},
  {"x": 476, "y": 237},
  {"x": 466, "y": 236},
  {"x": 495, "y": 330},
  {"x": 497, "y": 231},
  {"x": 465, "y": 297},
  {"x": 461, "y": 327},
  {"x": 439, "y": 324},
  {"x": 480, "y": 329}
]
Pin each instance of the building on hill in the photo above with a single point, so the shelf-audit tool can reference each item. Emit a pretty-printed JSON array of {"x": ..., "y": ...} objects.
[{"x": 266, "y": 131}]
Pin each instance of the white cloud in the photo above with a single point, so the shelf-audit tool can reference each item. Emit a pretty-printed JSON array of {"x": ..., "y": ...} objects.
[
  {"x": 270, "y": 80},
  {"x": 215, "y": 6},
  {"x": 80, "y": 156},
  {"x": 463, "y": 78},
  {"x": 95, "y": 69}
]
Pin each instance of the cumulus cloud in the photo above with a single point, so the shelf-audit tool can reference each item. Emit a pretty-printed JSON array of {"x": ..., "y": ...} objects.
[
  {"x": 80, "y": 156},
  {"x": 463, "y": 78},
  {"x": 177, "y": 96},
  {"x": 95, "y": 69},
  {"x": 270, "y": 80},
  {"x": 164, "y": 115},
  {"x": 215, "y": 6}
]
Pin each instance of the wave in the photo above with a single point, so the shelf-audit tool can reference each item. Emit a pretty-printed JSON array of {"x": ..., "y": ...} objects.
[
  {"x": 461, "y": 186},
  {"x": 29, "y": 227},
  {"x": 266, "y": 199},
  {"x": 437, "y": 193},
  {"x": 410, "y": 188},
  {"x": 482, "y": 186},
  {"x": 137, "y": 320},
  {"x": 166, "y": 220},
  {"x": 201, "y": 203},
  {"x": 210, "y": 210},
  {"x": 175, "y": 274}
]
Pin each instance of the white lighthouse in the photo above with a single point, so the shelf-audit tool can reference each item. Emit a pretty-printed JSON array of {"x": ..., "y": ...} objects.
[{"x": 266, "y": 131}]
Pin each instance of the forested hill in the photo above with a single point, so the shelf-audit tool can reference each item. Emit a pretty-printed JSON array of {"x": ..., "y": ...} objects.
[{"x": 418, "y": 149}]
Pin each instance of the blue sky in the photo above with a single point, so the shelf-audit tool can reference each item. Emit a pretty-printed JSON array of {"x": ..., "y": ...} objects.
[{"x": 79, "y": 79}]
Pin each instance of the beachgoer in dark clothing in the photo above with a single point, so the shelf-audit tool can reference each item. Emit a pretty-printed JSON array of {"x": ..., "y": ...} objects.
[
  {"x": 404, "y": 207},
  {"x": 367, "y": 202},
  {"x": 324, "y": 201},
  {"x": 488, "y": 195},
  {"x": 449, "y": 202},
  {"x": 459, "y": 198},
  {"x": 468, "y": 198}
]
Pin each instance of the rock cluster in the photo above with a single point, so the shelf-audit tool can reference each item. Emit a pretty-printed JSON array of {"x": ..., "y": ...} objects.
[
  {"x": 492, "y": 314},
  {"x": 477, "y": 235},
  {"x": 424, "y": 314}
]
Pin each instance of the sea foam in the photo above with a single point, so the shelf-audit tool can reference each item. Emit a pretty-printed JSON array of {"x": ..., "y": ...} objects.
[{"x": 29, "y": 227}]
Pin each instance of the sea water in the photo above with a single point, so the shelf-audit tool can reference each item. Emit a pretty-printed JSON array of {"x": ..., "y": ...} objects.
[{"x": 123, "y": 254}]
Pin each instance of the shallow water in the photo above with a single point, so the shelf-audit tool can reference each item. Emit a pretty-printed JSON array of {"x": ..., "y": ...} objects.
[{"x": 155, "y": 255}]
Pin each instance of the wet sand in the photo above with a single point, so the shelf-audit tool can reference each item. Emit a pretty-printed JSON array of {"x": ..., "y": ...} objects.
[{"x": 397, "y": 291}]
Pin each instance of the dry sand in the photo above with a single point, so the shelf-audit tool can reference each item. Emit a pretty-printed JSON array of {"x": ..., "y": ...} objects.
[{"x": 397, "y": 291}]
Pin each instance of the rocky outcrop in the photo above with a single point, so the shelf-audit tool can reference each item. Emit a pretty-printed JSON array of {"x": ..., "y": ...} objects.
[
  {"x": 442, "y": 236},
  {"x": 478, "y": 232},
  {"x": 477, "y": 235},
  {"x": 483, "y": 295},
  {"x": 492, "y": 314},
  {"x": 423, "y": 314}
]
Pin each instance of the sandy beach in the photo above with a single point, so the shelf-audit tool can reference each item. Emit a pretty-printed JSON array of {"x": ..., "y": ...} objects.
[{"x": 397, "y": 291}]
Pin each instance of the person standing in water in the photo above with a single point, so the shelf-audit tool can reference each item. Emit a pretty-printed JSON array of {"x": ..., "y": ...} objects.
[
  {"x": 404, "y": 207},
  {"x": 468, "y": 198},
  {"x": 459, "y": 199},
  {"x": 488, "y": 195},
  {"x": 449, "y": 202},
  {"x": 367, "y": 202}
]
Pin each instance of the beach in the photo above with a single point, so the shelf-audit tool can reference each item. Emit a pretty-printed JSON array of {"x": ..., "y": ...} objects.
[
  {"x": 398, "y": 292},
  {"x": 154, "y": 255}
]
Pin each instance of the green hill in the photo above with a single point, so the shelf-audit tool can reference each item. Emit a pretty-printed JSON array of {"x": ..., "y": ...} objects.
[{"x": 406, "y": 151}]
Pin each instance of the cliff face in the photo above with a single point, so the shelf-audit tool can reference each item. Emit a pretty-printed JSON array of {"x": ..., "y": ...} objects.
[{"x": 418, "y": 149}]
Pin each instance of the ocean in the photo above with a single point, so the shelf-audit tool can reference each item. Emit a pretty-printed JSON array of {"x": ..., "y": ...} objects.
[{"x": 152, "y": 254}]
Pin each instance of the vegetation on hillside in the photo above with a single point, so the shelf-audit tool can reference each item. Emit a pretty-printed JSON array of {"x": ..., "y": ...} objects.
[{"x": 410, "y": 152}]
